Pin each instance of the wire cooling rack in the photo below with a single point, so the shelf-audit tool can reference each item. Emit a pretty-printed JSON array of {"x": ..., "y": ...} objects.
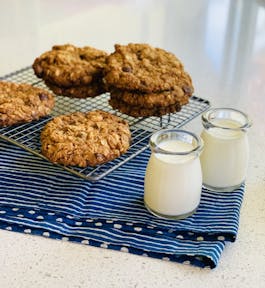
[{"x": 27, "y": 136}]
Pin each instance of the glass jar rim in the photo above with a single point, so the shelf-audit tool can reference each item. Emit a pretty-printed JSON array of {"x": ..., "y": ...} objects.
[
  {"x": 155, "y": 146},
  {"x": 206, "y": 118}
]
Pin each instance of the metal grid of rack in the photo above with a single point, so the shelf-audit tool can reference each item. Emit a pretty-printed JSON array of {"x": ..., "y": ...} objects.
[{"x": 27, "y": 136}]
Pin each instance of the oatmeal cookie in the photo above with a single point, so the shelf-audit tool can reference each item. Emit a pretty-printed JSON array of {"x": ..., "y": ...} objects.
[
  {"x": 68, "y": 65},
  {"x": 151, "y": 100},
  {"x": 85, "y": 139},
  {"x": 92, "y": 90},
  {"x": 142, "y": 67},
  {"x": 138, "y": 111},
  {"x": 22, "y": 103}
]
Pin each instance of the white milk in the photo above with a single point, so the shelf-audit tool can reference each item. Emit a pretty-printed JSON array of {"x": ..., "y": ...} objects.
[
  {"x": 173, "y": 182},
  {"x": 225, "y": 155}
]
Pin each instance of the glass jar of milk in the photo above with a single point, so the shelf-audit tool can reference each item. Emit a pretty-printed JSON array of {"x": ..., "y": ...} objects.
[
  {"x": 173, "y": 180},
  {"x": 225, "y": 156}
]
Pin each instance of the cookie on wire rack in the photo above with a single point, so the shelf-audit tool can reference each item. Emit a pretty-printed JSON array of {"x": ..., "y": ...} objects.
[
  {"x": 23, "y": 103},
  {"x": 149, "y": 79},
  {"x": 85, "y": 91},
  {"x": 151, "y": 100},
  {"x": 85, "y": 138},
  {"x": 72, "y": 71}
]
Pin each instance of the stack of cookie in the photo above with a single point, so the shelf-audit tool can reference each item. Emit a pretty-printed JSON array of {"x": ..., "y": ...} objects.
[
  {"x": 72, "y": 71},
  {"x": 146, "y": 81}
]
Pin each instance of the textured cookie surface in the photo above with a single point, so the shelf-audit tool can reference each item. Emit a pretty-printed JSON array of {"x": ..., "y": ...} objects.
[
  {"x": 151, "y": 100},
  {"x": 85, "y": 139},
  {"x": 22, "y": 103},
  {"x": 92, "y": 90},
  {"x": 68, "y": 65},
  {"x": 139, "y": 111},
  {"x": 142, "y": 67}
]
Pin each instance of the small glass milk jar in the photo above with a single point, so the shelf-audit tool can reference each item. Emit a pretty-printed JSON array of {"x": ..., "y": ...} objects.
[
  {"x": 173, "y": 179},
  {"x": 225, "y": 156}
]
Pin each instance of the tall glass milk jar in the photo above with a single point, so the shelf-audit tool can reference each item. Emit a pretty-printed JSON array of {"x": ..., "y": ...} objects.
[
  {"x": 225, "y": 156},
  {"x": 173, "y": 179}
]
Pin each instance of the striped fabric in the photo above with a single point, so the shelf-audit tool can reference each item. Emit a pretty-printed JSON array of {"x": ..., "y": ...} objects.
[{"x": 41, "y": 199}]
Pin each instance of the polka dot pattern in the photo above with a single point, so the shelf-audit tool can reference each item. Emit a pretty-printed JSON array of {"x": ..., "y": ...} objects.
[
  {"x": 149, "y": 227},
  {"x": 117, "y": 199},
  {"x": 221, "y": 238},
  {"x": 89, "y": 220},
  {"x": 138, "y": 229},
  {"x": 69, "y": 220},
  {"x": 104, "y": 245},
  {"x": 200, "y": 238},
  {"x": 124, "y": 249},
  {"x": 99, "y": 224}
]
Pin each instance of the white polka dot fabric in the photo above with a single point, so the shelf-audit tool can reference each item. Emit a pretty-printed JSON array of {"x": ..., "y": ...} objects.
[{"x": 41, "y": 199}]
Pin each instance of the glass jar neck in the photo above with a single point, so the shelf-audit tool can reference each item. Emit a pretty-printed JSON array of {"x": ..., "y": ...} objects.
[
  {"x": 226, "y": 119},
  {"x": 175, "y": 142}
]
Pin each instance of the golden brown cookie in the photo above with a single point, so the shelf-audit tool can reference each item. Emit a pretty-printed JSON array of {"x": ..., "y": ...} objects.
[
  {"x": 92, "y": 90},
  {"x": 139, "y": 111},
  {"x": 143, "y": 68},
  {"x": 150, "y": 100},
  {"x": 68, "y": 65},
  {"x": 22, "y": 103},
  {"x": 85, "y": 139}
]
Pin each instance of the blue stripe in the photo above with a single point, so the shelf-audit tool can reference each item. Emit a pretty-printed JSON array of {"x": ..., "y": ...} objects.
[{"x": 34, "y": 194}]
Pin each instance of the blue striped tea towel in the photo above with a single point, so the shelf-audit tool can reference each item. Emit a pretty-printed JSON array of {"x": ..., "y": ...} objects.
[{"x": 39, "y": 198}]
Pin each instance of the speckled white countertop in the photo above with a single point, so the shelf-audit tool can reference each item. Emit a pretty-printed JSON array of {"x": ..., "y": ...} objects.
[{"x": 222, "y": 44}]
